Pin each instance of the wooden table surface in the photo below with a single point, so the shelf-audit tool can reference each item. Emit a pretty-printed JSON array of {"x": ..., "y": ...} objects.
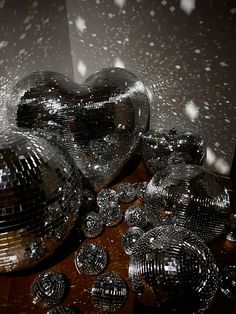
[{"x": 15, "y": 289}]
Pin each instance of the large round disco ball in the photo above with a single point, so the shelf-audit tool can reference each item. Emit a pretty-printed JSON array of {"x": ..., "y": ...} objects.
[
  {"x": 40, "y": 196},
  {"x": 189, "y": 196},
  {"x": 161, "y": 148},
  {"x": 99, "y": 122},
  {"x": 173, "y": 270}
]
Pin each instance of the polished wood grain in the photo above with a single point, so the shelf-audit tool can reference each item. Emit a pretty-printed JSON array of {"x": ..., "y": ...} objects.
[{"x": 15, "y": 288}]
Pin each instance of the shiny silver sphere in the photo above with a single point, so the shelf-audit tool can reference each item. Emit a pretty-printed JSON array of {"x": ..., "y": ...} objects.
[{"x": 40, "y": 196}]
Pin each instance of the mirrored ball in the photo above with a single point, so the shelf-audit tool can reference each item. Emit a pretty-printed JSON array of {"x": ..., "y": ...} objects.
[
  {"x": 171, "y": 269},
  {"x": 47, "y": 289},
  {"x": 91, "y": 259},
  {"x": 109, "y": 292}
]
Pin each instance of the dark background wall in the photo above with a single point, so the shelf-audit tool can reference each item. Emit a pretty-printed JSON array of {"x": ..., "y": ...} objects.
[
  {"x": 33, "y": 36},
  {"x": 184, "y": 50}
]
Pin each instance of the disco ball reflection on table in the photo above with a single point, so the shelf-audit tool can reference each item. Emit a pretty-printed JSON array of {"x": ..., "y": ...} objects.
[
  {"x": 40, "y": 196},
  {"x": 188, "y": 196},
  {"x": 173, "y": 270},
  {"x": 99, "y": 122},
  {"x": 161, "y": 148}
]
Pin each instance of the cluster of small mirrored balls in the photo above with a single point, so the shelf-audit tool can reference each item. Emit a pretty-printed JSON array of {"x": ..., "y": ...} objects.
[{"x": 109, "y": 291}]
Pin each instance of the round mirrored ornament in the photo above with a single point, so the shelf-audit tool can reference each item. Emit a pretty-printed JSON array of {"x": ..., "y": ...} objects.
[
  {"x": 171, "y": 269},
  {"x": 130, "y": 238},
  {"x": 162, "y": 148},
  {"x": 92, "y": 225},
  {"x": 109, "y": 292},
  {"x": 98, "y": 122},
  {"x": 91, "y": 259},
  {"x": 136, "y": 215},
  {"x": 47, "y": 289},
  {"x": 126, "y": 192},
  {"x": 228, "y": 282},
  {"x": 111, "y": 216},
  {"x": 189, "y": 196},
  {"x": 61, "y": 309},
  {"x": 107, "y": 198},
  {"x": 40, "y": 197}
]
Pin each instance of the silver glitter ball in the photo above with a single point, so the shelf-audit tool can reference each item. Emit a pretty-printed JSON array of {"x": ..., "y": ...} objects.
[
  {"x": 91, "y": 259},
  {"x": 130, "y": 238},
  {"x": 40, "y": 197},
  {"x": 136, "y": 215},
  {"x": 111, "y": 216},
  {"x": 228, "y": 282},
  {"x": 109, "y": 292},
  {"x": 126, "y": 192},
  {"x": 161, "y": 148},
  {"x": 99, "y": 122},
  {"x": 107, "y": 198},
  {"x": 47, "y": 289},
  {"x": 92, "y": 225},
  {"x": 189, "y": 196},
  {"x": 61, "y": 309},
  {"x": 171, "y": 269}
]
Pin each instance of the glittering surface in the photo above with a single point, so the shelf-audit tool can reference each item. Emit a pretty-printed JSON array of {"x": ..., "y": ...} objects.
[
  {"x": 40, "y": 194},
  {"x": 228, "y": 282},
  {"x": 130, "y": 238},
  {"x": 47, "y": 289},
  {"x": 171, "y": 269},
  {"x": 111, "y": 216},
  {"x": 107, "y": 198},
  {"x": 141, "y": 189},
  {"x": 189, "y": 196},
  {"x": 91, "y": 259},
  {"x": 161, "y": 148},
  {"x": 99, "y": 122},
  {"x": 126, "y": 192},
  {"x": 136, "y": 216},
  {"x": 109, "y": 292},
  {"x": 92, "y": 225}
]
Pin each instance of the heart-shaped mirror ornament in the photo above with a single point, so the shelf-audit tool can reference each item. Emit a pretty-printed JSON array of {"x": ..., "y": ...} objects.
[{"x": 98, "y": 122}]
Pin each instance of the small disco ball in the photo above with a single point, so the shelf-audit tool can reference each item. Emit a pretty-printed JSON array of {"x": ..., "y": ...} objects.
[
  {"x": 188, "y": 196},
  {"x": 228, "y": 282},
  {"x": 107, "y": 198},
  {"x": 161, "y": 148},
  {"x": 136, "y": 215},
  {"x": 91, "y": 259},
  {"x": 126, "y": 192},
  {"x": 130, "y": 237},
  {"x": 171, "y": 269},
  {"x": 109, "y": 292},
  {"x": 111, "y": 216},
  {"x": 40, "y": 195},
  {"x": 47, "y": 289},
  {"x": 92, "y": 225}
]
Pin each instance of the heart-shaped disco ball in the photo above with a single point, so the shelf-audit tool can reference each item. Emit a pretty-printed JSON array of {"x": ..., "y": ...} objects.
[
  {"x": 188, "y": 196},
  {"x": 99, "y": 122},
  {"x": 40, "y": 196},
  {"x": 173, "y": 271},
  {"x": 161, "y": 148}
]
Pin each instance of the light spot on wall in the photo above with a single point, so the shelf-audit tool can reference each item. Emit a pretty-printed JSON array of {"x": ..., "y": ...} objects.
[
  {"x": 3, "y": 44},
  {"x": 118, "y": 63},
  {"x": 191, "y": 110},
  {"x": 2, "y": 3},
  {"x": 210, "y": 156},
  {"x": 81, "y": 67},
  {"x": 120, "y": 3},
  {"x": 187, "y": 6},
  {"x": 80, "y": 24}
]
